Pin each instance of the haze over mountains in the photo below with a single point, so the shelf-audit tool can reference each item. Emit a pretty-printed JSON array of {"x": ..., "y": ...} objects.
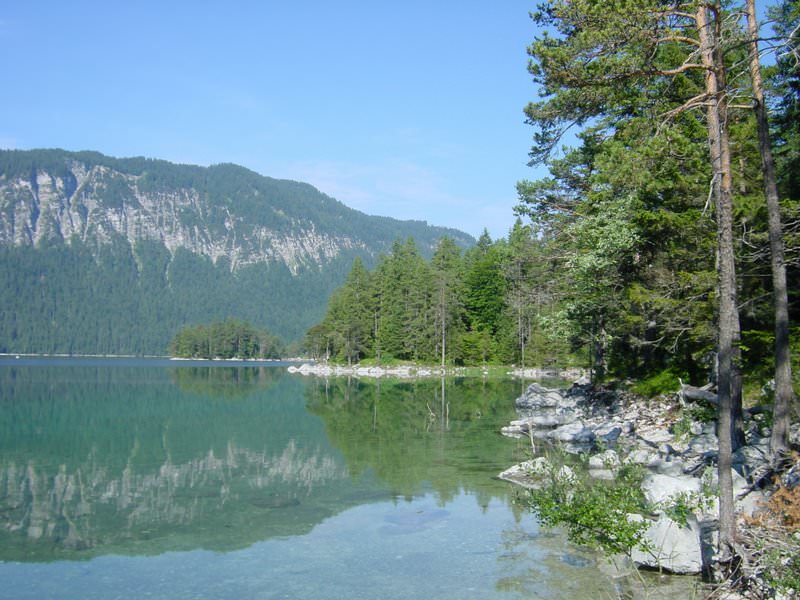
[{"x": 107, "y": 255}]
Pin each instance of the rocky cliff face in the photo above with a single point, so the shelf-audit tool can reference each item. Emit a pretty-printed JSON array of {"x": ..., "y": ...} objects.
[
  {"x": 95, "y": 204},
  {"x": 114, "y": 256}
]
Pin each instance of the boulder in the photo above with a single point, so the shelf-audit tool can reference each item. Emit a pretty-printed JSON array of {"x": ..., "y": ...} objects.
[
  {"x": 605, "y": 474},
  {"x": 525, "y": 473},
  {"x": 553, "y": 419},
  {"x": 656, "y": 436},
  {"x": 794, "y": 435},
  {"x": 641, "y": 456},
  {"x": 605, "y": 460},
  {"x": 791, "y": 479},
  {"x": 537, "y": 396},
  {"x": 660, "y": 488},
  {"x": 751, "y": 459},
  {"x": 673, "y": 467},
  {"x": 528, "y": 473},
  {"x": 586, "y": 436},
  {"x": 608, "y": 433},
  {"x": 573, "y": 432},
  {"x": 705, "y": 442},
  {"x": 523, "y": 468},
  {"x": 751, "y": 502},
  {"x": 671, "y": 547}
]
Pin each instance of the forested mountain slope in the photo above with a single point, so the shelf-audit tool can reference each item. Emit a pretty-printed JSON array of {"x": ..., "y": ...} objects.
[{"x": 107, "y": 255}]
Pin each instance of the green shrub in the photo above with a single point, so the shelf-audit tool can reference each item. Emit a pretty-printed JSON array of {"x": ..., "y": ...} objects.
[
  {"x": 663, "y": 382},
  {"x": 594, "y": 513}
]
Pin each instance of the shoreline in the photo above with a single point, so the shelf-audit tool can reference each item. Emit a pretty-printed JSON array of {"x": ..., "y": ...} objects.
[
  {"x": 63, "y": 355},
  {"x": 421, "y": 371},
  {"x": 677, "y": 451},
  {"x": 15, "y": 355}
]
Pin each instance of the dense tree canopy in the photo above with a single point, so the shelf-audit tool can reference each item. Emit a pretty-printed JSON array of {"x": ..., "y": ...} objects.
[
  {"x": 457, "y": 308},
  {"x": 225, "y": 339},
  {"x": 656, "y": 215},
  {"x": 617, "y": 266}
]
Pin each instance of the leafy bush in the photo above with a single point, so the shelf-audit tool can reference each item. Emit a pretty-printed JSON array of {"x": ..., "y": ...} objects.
[
  {"x": 662, "y": 382},
  {"x": 594, "y": 513}
]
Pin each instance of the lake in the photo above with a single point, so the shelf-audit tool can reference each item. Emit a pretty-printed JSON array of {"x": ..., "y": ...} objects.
[{"x": 133, "y": 478}]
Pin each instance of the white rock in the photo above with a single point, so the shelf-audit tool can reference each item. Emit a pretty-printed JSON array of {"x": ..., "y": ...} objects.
[
  {"x": 553, "y": 419},
  {"x": 703, "y": 443},
  {"x": 672, "y": 547},
  {"x": 656, "y": 436},
  {"x": 661, "y": 488},
  {"x": 641, "y": 456},
  {"x": 572, "y": 432},
  {"x": 604, "y": 460},
  {"x": 568, "y": 402},
  {"x": 673, "y": 468}
]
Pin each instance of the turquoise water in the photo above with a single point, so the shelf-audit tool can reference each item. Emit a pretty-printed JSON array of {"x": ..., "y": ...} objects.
[{"x": 147, "y": 478}]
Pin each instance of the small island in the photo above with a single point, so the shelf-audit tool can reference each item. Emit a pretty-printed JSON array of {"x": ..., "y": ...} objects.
[{"x": 229, "y": 339}]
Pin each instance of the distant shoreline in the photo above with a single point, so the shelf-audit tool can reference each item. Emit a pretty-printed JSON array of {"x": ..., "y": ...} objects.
[
  {"x": 267, "y": 360},
  {"x": 418, "y": 371},
  {"x": 62, "y": 355},
  {"x": 13, "y": 356}
]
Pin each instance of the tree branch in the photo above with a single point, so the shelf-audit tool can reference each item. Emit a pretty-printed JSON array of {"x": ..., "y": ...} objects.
[
  {"x": 699, "y": 100},
  {"x": 678, "y": 38}
]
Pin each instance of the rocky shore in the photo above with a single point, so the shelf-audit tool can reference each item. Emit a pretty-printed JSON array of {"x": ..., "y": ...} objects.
[
  {"x": 678, "y": 452},
  {"x": 327, "y": 370},
  {"x": 410, "y": 371}
]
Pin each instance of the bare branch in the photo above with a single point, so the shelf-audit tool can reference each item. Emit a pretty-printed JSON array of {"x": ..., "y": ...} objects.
[
  {"x": 699, "y": 100},
  {"x": 678, "y": 38},
  {"x": 710, "y": 193},
  {"x": 676, "y": 13},
  {"x": 682, "y": 69}
]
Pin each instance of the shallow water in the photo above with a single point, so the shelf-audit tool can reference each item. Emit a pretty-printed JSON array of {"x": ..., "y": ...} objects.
[{"x": 136, "y": 478}]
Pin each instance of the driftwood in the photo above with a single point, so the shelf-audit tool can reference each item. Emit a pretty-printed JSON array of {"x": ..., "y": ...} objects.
[{"x": 689, "y": 392}]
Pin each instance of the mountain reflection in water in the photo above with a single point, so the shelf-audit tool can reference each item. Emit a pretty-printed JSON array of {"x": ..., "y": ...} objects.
[
  {"x": 136, "y": 478},
  {"x": 135, "y": 460}
]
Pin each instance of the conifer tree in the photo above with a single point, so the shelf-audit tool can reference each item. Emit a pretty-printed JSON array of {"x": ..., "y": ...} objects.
[{"x": 611, "y": 64}]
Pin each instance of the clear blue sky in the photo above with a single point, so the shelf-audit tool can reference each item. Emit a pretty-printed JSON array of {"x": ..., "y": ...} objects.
[{"x": 411, "y": 110}]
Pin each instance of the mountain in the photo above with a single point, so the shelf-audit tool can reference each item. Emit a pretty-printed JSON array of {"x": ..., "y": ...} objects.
[{"x": 114, "y": 255}]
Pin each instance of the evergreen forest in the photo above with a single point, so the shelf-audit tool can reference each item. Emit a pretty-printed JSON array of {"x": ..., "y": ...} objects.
[
  {"x": 613, "y": 262},
  {"x": 470, "y": 307},
  {"x": 118, "y": 299},
  {"x": 226, "y": 339},
  {"x": 662, "y": 246},
  {"x": 89, "y": 262}
]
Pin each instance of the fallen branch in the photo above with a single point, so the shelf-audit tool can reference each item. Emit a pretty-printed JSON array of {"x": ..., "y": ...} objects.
[{"x": 689, "y": 392}]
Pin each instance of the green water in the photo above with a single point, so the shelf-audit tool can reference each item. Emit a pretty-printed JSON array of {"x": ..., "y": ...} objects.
[{"x": 136, "y": 478}]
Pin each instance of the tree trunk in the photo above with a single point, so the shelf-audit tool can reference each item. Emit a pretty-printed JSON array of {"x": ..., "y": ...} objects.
[
  {"x": 779, "y": 442},
  {"x": 443, "y": 309},
  {"x": 726, "y": 189},
  {"x": 726, "y": 274}
]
